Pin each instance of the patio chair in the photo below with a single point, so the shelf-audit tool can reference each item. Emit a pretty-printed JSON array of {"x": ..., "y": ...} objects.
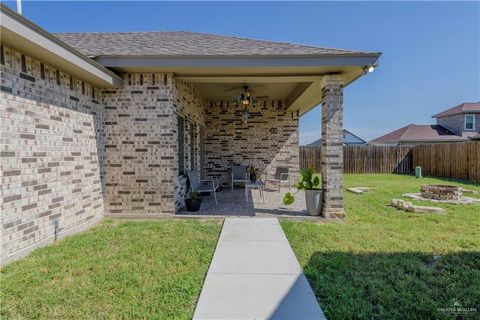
[
  {"x": 199, "y": 185},
  {"x": 281, "y": 175},
  {"x": 239, "y": 174}
]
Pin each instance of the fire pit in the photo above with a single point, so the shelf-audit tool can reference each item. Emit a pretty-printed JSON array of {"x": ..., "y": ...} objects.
[{"x": 441, "y": 192}]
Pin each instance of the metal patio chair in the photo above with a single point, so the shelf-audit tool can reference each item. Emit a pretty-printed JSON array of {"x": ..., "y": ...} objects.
[
  {"x": 239, "y": 175},
  {"x": 281, "y": 175},
  {"x": 199, "y": 185}
]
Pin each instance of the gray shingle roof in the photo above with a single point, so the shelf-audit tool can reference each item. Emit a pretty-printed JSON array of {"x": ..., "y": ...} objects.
[
  {"x": 466, "y": 107},
  {"x": 185, "y": 44},
  {"x": 415, "y": 132}
]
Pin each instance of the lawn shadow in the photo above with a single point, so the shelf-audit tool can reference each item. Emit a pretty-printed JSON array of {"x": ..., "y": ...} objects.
[{"x": 407, "y": 285}]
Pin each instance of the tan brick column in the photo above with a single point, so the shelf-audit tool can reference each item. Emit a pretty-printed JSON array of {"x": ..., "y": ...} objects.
[{"x": 332, "y": 147}]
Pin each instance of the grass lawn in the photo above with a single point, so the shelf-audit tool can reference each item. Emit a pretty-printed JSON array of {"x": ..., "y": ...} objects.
[
  {"x": 379, "y": 263},
  {"x": 117, "y": 270}
]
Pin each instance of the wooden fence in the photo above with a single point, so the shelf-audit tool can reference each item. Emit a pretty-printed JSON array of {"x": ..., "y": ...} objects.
[
  {"x": 364, "y": 159},
  {"x": 451, "y": 160}
]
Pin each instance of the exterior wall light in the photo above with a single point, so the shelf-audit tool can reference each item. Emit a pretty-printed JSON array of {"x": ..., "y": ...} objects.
[{"x": 368, "y": 69}]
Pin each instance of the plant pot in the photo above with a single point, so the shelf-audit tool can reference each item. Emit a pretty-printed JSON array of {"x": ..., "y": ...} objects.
[
  {"x": 193, "y": 206},
  {"x": 253, "y": 177},
  {"x": 313, "y": 200}
]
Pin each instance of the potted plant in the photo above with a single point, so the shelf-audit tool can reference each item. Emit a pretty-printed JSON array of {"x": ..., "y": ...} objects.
[
  {"x": 309, "y": 183},
  {"x": 193, "y": 202},
  {"x": 253, "y": 172}
]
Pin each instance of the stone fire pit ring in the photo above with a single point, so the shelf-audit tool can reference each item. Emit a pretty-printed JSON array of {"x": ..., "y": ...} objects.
[{"x": 441, "y": 192}]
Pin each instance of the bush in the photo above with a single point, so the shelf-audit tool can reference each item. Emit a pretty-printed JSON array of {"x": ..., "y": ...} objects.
[{"x": 288, "y": 199}]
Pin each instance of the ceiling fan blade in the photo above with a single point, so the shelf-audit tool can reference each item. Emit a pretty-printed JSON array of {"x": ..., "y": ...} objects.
[{"x": 234, "y": 89}]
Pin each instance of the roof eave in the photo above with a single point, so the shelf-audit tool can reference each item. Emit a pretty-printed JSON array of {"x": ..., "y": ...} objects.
[
  {"x": 208, "y": 61},
  {"x": 29, "y": 33},
  {"x": 456, "y": 113}
]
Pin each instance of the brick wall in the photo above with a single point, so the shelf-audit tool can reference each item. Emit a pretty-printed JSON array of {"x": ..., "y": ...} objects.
[
  {"x": 141, "y": 157},
  {"x": 268, "y": 140},
  {"x": 69, "y": 149},
  {"x": 140, "y": 146},
  {"x": 51, "y": 153},
  {"x": 189, "y": 105},
  {"x": 332, "y": 147}
]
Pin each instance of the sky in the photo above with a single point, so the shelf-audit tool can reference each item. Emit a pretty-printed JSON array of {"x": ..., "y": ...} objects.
[{"x": 430, "y": 60}]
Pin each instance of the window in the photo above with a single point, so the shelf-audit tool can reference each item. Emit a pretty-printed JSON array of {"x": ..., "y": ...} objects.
[
  {"x": 193, "y": 142},
  {"x": 181, "y": 145},
  {"x": 469, "y": 122}
]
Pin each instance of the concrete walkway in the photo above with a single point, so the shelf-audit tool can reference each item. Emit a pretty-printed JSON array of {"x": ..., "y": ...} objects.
[{"x": 254, "y": 274}]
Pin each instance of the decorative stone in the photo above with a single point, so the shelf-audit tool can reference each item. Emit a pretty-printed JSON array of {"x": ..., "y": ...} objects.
[
  {"x": 358, "y": 190},
  {"x": 441, "y": 192},
  {"x": 462, "y": 200},
  {"x": 409, "y": 207}
]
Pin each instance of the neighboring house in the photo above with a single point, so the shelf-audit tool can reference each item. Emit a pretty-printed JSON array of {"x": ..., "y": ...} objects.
[
  {"x": 417, "y": 134},
  {"x": 463, "y": 120},
  {"x": 349, "y": 139},
  {"x": 457, "y": 124},
  {"x": 98, "y": 124}
]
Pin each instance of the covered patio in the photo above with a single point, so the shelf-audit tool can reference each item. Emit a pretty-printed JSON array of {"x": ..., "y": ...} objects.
[
  {"x": 235, "y": 203},
  {"x": 178, "y": 111},
  {"x": 268, "y": 139}
]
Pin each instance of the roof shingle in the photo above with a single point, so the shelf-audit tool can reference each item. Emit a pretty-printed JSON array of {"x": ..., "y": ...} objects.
[
  {"x": 462, "y": 108},
  {"x": 164, "y": 43},
  {"x": 415, "y": 132}
]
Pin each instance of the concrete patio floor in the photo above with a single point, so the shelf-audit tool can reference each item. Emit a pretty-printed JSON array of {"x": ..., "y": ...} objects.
[
  {"x": 254, "y": 274},
  {"x": 234, "y": 203}
]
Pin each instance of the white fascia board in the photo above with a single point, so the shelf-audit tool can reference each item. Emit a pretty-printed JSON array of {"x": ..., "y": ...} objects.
[{"x": 234, "y": 61}]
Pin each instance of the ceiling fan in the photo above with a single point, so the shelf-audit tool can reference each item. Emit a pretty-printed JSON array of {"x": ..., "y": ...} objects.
[{"x": 247, "y": 89}]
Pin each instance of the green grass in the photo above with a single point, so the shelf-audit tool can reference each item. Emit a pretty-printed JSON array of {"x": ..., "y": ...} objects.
[
  {"x": 379, "y": 263},
  {"x": 118, "y": 270}
]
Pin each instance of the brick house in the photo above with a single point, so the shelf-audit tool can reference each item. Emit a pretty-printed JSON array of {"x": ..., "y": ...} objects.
[
  {"x": 457, "y": 124},
  {"x": 96, "y": 124}
]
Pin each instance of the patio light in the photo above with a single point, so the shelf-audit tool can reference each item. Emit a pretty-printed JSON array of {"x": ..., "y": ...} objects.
[
  {"x": 368, "y": 69},
  {"x": 245, "y": 99},
  {"x": 246, "y": 114}
]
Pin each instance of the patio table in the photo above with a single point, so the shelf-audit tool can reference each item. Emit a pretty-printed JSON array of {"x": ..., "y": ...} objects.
[{"x": 255, "y": 185}]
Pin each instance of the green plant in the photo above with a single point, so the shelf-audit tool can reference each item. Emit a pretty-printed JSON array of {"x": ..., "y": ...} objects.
[
  {"x": 193, "y": 195},
  {"x": 288, "y": 199},
  {"x": 252, "y": 170},
  {"x": 308, "y": 180}
]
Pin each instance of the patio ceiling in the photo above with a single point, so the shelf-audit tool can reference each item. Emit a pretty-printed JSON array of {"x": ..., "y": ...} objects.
[
  {"x": 295, "y": 79},
  {"x": 301, "y": 92}
]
